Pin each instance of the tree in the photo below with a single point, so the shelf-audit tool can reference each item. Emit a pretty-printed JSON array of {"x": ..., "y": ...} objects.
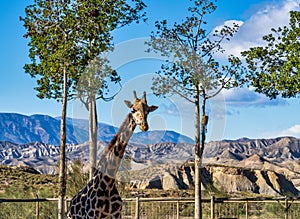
[
  {"x": 94, "y": 85},
  {"x": 77, "y": 178},
  {"x": 109, "y": 15},
  {"x": 65, "y": 35},
  {"x": 192, "y": 72},
  {"x": 274, "y": 69},
  {"x": 55, "y": 58}
]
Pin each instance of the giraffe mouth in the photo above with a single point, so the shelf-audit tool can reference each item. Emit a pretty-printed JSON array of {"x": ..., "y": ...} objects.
[{"x": 143, "y": 128}]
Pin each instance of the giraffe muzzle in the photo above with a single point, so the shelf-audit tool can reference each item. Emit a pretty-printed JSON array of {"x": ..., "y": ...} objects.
[{"x": 144, "y": 128}]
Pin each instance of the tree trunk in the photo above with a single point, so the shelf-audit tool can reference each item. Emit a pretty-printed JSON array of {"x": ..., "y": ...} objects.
[
  {"x": 198, "y": 204},
  {"x": 203, "y": 127},
  {"x": 203, "y": 136},
  {"x": 93, "y": 129},
  {"x": 62, "y": 159}
]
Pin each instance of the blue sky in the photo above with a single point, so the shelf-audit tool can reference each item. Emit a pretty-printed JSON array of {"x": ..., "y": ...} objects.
[{"x": 233, "y": 114}]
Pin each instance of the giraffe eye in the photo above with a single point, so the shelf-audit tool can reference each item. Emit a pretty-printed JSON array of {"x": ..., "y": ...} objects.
[{"x": 133, "y": 110}]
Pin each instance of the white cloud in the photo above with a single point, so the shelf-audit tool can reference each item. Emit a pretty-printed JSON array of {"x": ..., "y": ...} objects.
[
  {"x": 229, "y": 23},
  {"x": 292, "y": 131},
  {"x": 239, "y": 97},
  {"x": 251, "y": 31}
]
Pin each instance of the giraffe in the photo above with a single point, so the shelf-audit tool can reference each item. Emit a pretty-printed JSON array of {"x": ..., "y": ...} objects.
[{"x": 100, "y": 197}]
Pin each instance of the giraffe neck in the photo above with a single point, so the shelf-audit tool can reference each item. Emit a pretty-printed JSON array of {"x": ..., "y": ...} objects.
[{"x": 110, "y": 160}]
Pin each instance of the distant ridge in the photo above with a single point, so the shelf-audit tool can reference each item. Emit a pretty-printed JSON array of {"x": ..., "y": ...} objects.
[
  {"x": 259, "y": 166},
  {"x": 280, "y": 148},
  {"x": 258, "y": 153},
  {"x": 22, "y": 129}
]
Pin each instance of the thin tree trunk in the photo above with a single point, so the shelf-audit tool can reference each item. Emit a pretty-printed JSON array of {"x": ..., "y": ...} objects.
[
  {"x": 93, "y": 129},
  {"x": 203, "y": 127},
  {"x": 198, "y": 204},
  {"x": 203, "y": 135},
  {"x": 62, "y": 159}
]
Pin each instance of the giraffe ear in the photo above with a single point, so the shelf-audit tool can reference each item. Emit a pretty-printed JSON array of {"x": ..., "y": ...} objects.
[
  {"x": 152, "y": 108},
  {"x": 128, "y": 103}
]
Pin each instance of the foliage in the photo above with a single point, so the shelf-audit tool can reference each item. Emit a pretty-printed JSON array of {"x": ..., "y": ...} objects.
[
  {"x": 191, "y": 70},
  {"x": 108, "y": 16},
  {"x": 96, "y": 39},
  {"x": 69, "y": 34},
  {"x": 50, "y": 26},
  {"x": 190, "y": 51},
  {"x": 21, "y": 182},
  {"x": 77, "y": 179},
  {"x": 275, "y": 67},
  {"x": 95, "y": 81},
  {"x": 65, "y": 35}
]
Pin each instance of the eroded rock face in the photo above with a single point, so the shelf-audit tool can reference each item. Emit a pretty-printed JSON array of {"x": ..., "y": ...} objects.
[
  {"x": 232, "y": 180},
  {"x": 170, "y": 182},
  {"x": 225, "y": 179}
]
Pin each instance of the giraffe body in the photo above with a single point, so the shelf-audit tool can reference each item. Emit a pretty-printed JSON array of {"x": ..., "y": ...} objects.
[{"x": 100, "y": 197}]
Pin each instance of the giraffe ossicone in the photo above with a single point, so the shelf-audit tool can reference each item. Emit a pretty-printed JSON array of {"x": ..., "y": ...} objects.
[{"x": 100, "y": 197}]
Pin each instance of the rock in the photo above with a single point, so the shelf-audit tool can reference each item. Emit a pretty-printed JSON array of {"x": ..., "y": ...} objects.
[
  {"x": 155, "y": 183},
  {"x": 225, "y": 179},
  {"x": 169, "y": 182}
]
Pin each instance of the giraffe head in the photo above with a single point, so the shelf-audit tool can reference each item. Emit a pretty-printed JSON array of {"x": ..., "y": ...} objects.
[{"x": 140, "y": 110}]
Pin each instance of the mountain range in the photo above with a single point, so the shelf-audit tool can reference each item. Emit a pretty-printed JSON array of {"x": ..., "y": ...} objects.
[
  {"x": 246, "y": 153},
  {"x": 158, "y": 159},
  {"x": 262, "y": 166},
  {"x": 277, "y": 149},
  {"x": 22, "y": 129}
]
